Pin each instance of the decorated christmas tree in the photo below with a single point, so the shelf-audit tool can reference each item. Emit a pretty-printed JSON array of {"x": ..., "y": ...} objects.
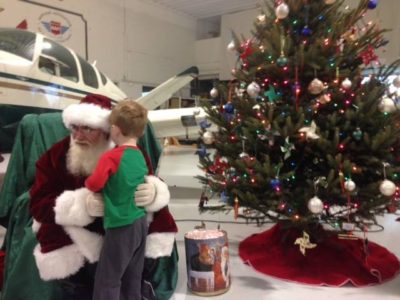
[{"x": 308, "y": 130}]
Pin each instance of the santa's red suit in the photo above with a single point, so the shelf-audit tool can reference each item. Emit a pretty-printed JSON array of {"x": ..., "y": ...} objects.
[{"x": 68, "y": 236}]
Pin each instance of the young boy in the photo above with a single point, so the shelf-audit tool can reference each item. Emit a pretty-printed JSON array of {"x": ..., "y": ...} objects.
[{"x": 118, "y": 173}]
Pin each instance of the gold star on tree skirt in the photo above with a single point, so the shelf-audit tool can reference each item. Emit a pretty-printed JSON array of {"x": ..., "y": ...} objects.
[{"x": 304, "y": 243}]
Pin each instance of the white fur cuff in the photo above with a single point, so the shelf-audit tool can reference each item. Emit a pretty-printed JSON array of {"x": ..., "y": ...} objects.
[
  {"x": 59, "y": 263},
  {"x": 70, "y": 208},
  {"x": 162, "y": 194},
  {"x": 159, "y": 244},
  {"x": 89, "y": 243}
]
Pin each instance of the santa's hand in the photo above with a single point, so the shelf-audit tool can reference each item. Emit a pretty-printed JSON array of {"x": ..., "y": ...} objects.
[
  {"x": 95, "y": 205},
  {"x": 145, "y": 194}
]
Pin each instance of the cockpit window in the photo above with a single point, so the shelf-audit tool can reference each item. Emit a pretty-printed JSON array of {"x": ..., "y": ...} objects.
[
  {"x": 57, "y": 60},
  {"x": 88, "y": 73},
  {"x": 103, "y": 78},
  {"x": 18, "y": 42}
]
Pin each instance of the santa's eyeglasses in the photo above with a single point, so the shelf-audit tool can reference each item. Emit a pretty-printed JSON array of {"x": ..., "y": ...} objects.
[{"x": 82, "y": 129}]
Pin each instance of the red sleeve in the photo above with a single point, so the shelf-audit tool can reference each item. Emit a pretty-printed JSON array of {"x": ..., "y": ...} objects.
[
  {"x": 51, "y": 180},
  {"x": 107, "y": 165}
]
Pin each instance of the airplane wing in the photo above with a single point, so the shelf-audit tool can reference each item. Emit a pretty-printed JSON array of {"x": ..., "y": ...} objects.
[
  {"x": 177, "y": 121},
  {"x": 165, "y": 91}
]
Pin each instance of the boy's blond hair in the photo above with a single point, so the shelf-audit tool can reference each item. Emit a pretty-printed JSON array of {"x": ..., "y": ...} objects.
[{"x": 130, "y": 117}]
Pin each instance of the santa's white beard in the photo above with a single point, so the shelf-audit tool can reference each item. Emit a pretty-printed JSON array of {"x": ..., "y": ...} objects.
[{"x": 81, "y": 160}]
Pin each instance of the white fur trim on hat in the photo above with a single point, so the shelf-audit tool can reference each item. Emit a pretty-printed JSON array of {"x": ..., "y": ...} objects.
[
  {"x": 58, "y": 264},
  {"x": 87, "y": 114},
  {"x": 159, "y": 244},
  {"x": 162, "y": 194},
  {"x": 70, "y": 208}
]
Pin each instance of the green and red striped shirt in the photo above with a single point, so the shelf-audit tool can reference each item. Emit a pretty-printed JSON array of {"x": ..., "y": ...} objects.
[{"x": 117, "y": 174}]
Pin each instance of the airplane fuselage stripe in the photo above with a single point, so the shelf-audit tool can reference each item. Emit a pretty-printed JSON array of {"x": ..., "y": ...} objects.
[
  {"x": 43, "y": 83},
  {"x": 17, "y": 86}
]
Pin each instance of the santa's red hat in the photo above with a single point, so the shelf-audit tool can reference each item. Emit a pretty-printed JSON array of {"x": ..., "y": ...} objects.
[{"x": 93, "y": 111}]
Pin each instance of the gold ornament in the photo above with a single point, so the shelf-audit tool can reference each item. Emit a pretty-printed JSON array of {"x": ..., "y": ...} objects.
[{"x": 304, "y": 243}]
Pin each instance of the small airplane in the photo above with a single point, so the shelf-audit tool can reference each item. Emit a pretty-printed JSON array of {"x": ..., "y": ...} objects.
[{"x": 39, "y": 75}]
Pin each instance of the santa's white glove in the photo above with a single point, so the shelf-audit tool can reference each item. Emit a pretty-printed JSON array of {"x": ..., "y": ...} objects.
[
  {"x": 95, "y": 205},
  {"x": 145, "y": 194}
]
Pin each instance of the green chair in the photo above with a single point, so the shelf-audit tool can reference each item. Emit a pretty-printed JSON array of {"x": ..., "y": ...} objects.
[{"x": 35, "y": 134}]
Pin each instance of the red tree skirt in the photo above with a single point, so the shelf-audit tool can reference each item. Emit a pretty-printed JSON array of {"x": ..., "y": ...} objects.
[{"x": 334, "y": 262}]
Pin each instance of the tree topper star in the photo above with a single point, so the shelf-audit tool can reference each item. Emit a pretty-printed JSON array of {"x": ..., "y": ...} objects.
[
  {"x": 304, "y": 243},
  {"x": 310, "y": 131}
]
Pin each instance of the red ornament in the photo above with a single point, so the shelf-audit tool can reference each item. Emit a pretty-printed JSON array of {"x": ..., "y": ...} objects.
[
  {"x": 246, "y": 50},
  {"x": 369, "y": 55}
]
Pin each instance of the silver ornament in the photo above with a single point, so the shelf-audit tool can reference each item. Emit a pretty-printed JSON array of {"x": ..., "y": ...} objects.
[
  {"x": 387, "y": 105},
  {"x": 214, "y": 92},
  {"x": 282, "y": 11},
  {"x": 208, "y": 138},
  {"x": 316, "y": 86},
  {"x": 315, "y": 205},
  {"x": 396, "y": 81},
  {"x": 231, "y": 46},
  {"x": 244, "y": 155},
  {"x": 350, "y": 185},
  {"x": 253, "y": 89},
  {"x": 387, "y": 188},
  {"x": 346, "y": 84}
]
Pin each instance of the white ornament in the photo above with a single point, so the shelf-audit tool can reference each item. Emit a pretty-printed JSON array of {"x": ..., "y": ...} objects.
[
  {"x": 316, "y": 86},
  {"x": 282, "y": 11},
  {"x": 396, "y": 81},
  {"x": 309, "y": 131},
  {"x": 349, "y": 185},
  {"x": 387, "y": 105},
  {"x": 257, "y": 107},
  {"x": 315, "y": 205},
  {"x": 208, "y": 137},
  {"x": 253, "y": 89},
  {"x": 214, "y": 92},
  {"x": 387, "y": 188},
  {"x": 231, "y": 46},
  {"x": 346, "y": 84},
  {"x": 261, "y": 18},
  {"x": 330, "y": 1}
]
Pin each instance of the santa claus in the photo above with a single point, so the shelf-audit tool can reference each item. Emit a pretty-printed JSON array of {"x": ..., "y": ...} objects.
[{"x": 67, "y": 216}]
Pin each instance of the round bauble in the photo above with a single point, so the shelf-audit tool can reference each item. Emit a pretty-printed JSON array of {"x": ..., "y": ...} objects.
[
  {"x": 349, "y": 185},
  {"x": 387, "y": 105},
  {"x": 346, "y": 84},
  {"x": 282, "y": 11},
  {"x": 282, "y": 61},
  {"x": 372, "y": 4},
  {"x": 387, "y": 188},
  {"x": 306, "y": 31},
  {"x": 396, "y": 81},
  {"x": 315, "y": 205},
  {"x": 253, "y": 89},
  {"x": 324, "y": 98},
  {"x": 208, "y": 138},
  {"x": 316, "y": 86},
  {"x": 214, "y": 92},
  {"x": 229, "y": 108}
]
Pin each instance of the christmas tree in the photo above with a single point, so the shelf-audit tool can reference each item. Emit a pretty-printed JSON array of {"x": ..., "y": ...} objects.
[{"x": 307, "y": 131}]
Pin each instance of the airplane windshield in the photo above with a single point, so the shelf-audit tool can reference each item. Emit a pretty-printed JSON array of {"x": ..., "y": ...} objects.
[
  {"x": 58, "y": 60},
  {"x": 18, "y": 42},
  {"x": 88, "y": 73}
]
